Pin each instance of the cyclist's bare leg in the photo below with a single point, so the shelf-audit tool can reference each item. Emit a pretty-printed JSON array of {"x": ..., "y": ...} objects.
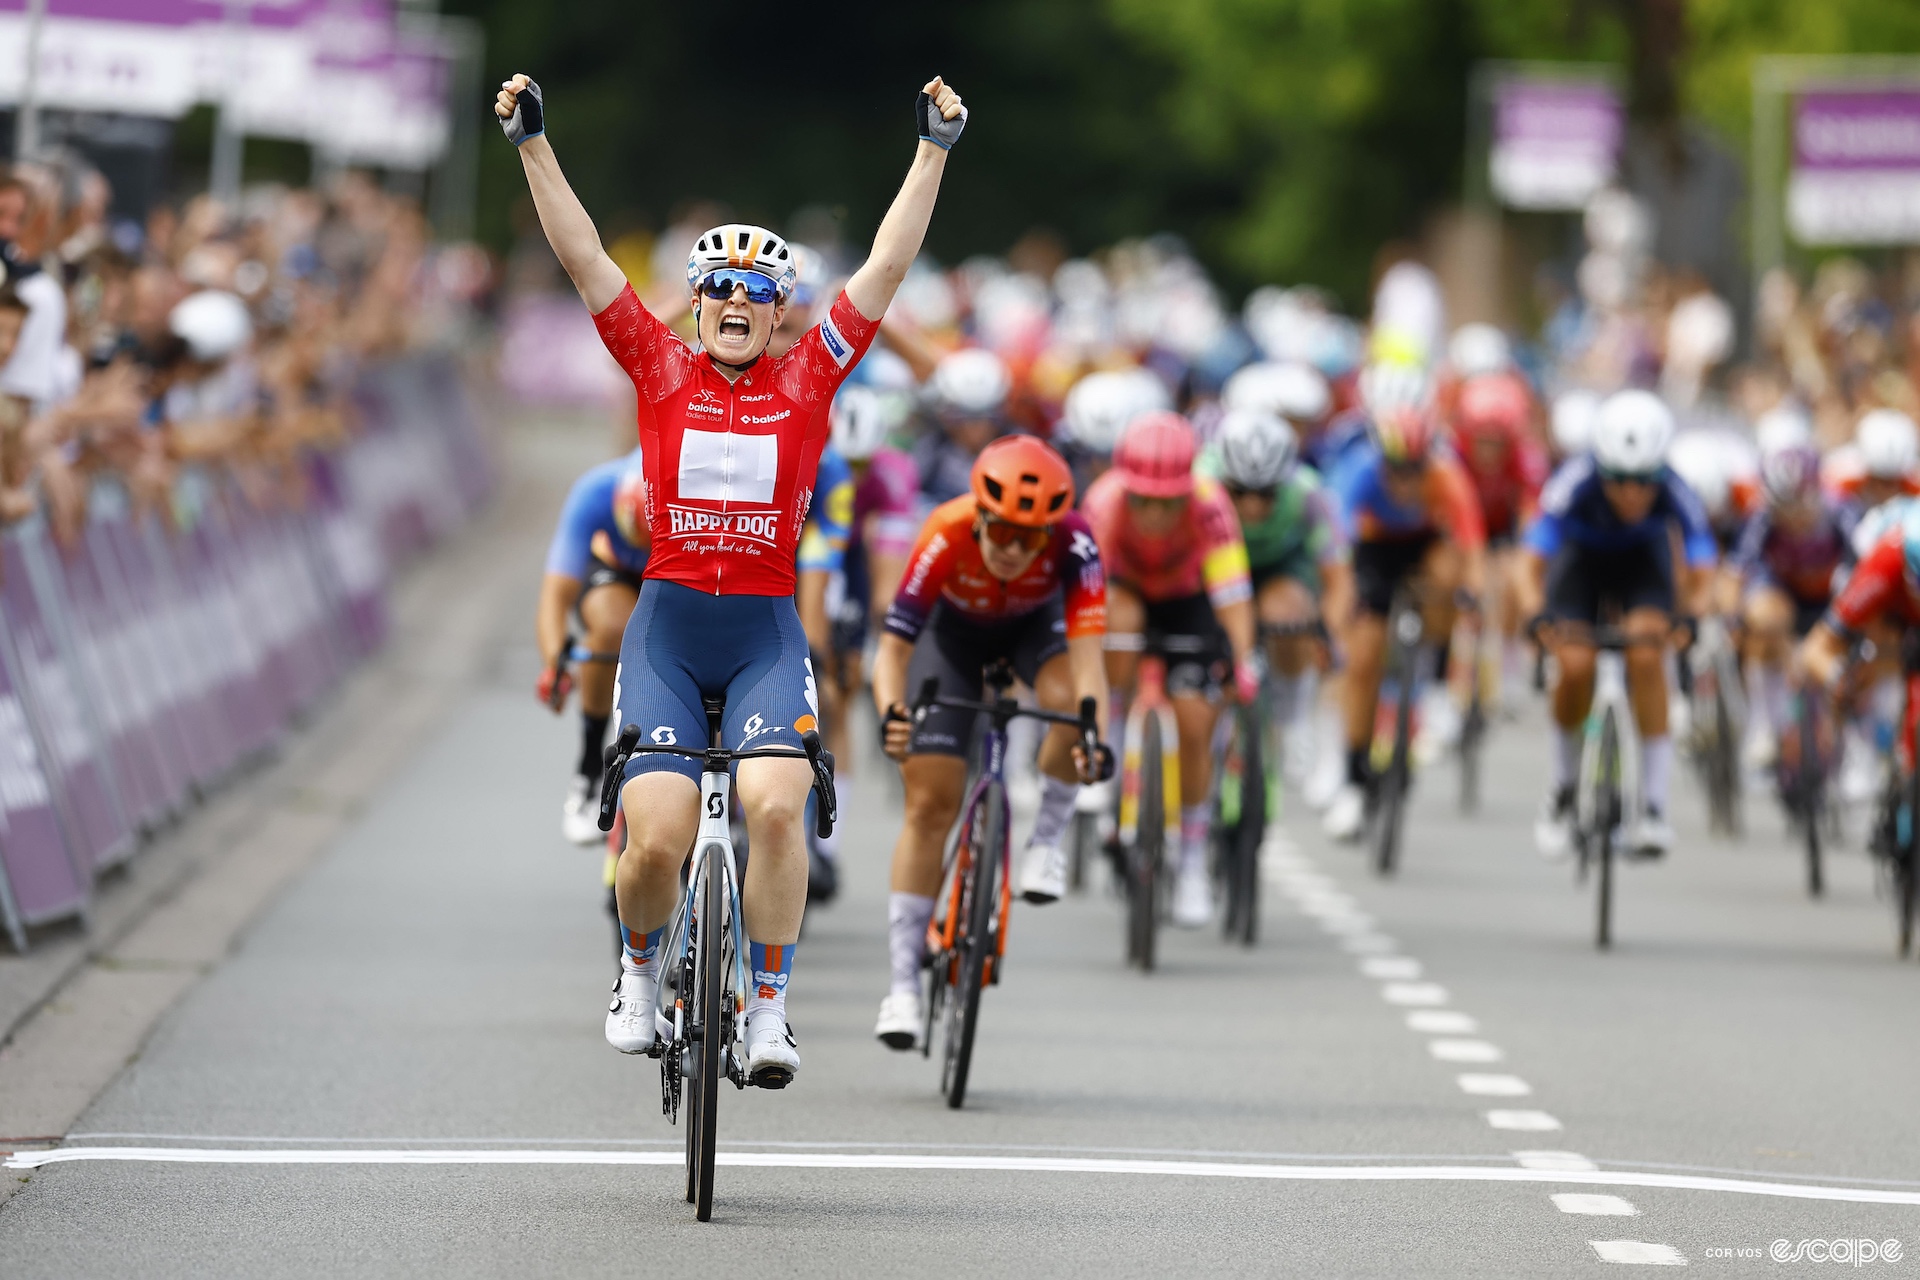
[
  {"x": 1366, "y": 646},
  {"x": 935, "y": 786},
  {"x": 1647, "y": 691},
  {"x": 1285, "y": 602},
  {"x": 1768, "y": 619},
  {"x": 773, "y": 800},
  {"x": 605, "y": 611},
  {"x": 1195, "y": 713},
  {"x": 1126, "y": 636},
  {"x": 663, "y": 816}
]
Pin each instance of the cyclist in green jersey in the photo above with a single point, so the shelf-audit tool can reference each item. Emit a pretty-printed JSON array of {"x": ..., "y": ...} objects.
[{"x": 1298, "y": 557}]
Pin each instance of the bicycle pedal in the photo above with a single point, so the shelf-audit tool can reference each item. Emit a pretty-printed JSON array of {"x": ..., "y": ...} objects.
[{"x": 771, "y": 1078}]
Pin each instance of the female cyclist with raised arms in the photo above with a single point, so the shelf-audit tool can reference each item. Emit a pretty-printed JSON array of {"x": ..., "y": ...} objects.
[{"x": 731, "y": 439}]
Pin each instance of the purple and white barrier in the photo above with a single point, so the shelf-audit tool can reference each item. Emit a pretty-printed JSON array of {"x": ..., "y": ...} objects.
[{"x": 140, "y": 666}]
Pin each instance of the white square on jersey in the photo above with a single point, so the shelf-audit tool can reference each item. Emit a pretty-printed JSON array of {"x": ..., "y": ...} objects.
[{"x": 719, "y": 466}]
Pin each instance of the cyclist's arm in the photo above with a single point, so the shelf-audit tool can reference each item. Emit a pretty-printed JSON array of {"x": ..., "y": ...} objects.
[
  {"x": 889, "y": 678},
  {"x": 558, "y": 594},
  {"x": 1823, "y": 655},
  {"x": 810, "y": 598},
  {"x": 1087, "y": 664},
  {"x": 902, "y": 231},
  {"x": 569, "y": 230},
  {"x": 1530, "y": 589}
]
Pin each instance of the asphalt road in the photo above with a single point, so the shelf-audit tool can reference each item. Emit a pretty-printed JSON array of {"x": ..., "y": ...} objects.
[{"x": 407, "y": 1049}]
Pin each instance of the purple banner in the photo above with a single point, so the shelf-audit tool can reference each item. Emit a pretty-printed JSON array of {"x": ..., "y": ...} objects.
[
  {"x": 1834, "y": 129},
  {"x": 1555, "y": 141}
]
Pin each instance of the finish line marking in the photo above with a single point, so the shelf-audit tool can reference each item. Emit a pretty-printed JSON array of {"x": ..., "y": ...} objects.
[{"x": 1007, "y": 1164}]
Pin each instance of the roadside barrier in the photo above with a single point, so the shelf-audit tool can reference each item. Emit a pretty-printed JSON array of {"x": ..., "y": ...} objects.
[{"x": 145, "y": 664}]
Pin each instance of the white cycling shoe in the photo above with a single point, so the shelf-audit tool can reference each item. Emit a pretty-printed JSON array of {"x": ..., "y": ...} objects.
[
  {"x": 1193, "y": 898},
  {"x": 1346, "y": 816},
  {"x": 630, "y": 1024},
  {"x": 773, "y": 1058},
  {"x": 580, "y": 815},
  {"x": 1652, "y": 835},
  {"x": 1553, "y": 829},
  {"x": 900, "y": 1020},
  {"x": 1043, "y": 875}
]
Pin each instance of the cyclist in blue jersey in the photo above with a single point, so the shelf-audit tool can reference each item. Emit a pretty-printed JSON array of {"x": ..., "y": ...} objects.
[
  {"x": 730, "y": 441},
  {"x": 594, "y": 565},
  {"x": 1604, "y": 544},
  {"x": 822, "y": 568}
]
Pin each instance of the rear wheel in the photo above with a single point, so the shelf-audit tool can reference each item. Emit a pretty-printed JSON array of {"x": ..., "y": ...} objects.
[
  {"x": 980, "y": 908},
  {"x": 1243, "y": 839},
  {"x": 1148, "y": 853},
  {"x": 1812, "y": 793},
  {"x": 1393, "y": 783}
]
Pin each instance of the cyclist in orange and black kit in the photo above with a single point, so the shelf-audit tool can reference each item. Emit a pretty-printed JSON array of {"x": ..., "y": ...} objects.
[{"x": 1008, "y": 571}]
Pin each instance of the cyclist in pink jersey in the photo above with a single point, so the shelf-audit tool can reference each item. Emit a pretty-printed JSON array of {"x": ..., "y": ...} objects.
[
  {"x": 730, "y": 438},
  {"x": 1176, "y": 575}
]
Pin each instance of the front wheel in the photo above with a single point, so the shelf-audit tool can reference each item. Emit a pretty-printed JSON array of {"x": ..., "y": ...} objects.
[
  {"x": 1607, "y": 817},
  {"x": 1147, "y": 858},
  {"x": 1812, "y": 793},
  {"x": 1241, "y": 842},
  {"x": 710, "y": 1030},
  {"x": 980, "y": 910}
]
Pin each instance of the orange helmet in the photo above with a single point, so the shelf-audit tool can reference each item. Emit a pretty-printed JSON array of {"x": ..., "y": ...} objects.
[{"x": 1021, "y": 480}]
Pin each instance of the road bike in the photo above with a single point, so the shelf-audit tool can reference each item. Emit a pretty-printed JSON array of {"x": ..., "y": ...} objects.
[
  {"x": 1718, "y": 706},
  {"x": 701, "y": 1006},
  {"x": 1399, "y": 689},
  {"x": 1895, "y": 843},
  {"x": 1805, "y": 765},
  {"x": 967, "y": 938},
  {"x": 1149, "y": 803},
  {"x": 1240, "y": 805}
]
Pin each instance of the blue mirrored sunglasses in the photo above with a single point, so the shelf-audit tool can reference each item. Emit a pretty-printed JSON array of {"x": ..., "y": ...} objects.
[
  {"x": 1630, "y": 477},
  {"x": 719, "y": 285}
]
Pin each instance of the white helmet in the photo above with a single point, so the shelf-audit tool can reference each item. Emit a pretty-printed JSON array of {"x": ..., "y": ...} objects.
[
  {"x": 1477, "y": 349},
  {"x": 213, "y": 323},
  {"x": 1386, "y": 385},
  {"x": 970, "y": 383},
  {"x": 1705, "y": 460},
  {"x": 1573, "y": 414},
  {"x": 1889, "y": 445},
  {"x": 1293, "y": 390},
  {"x": 1102, "y": 405},
  {"x": 1257, "y": 448},
  {"x": 862, "y": 419},
  {"x": 745, "y": 246},
  {"x": 1783, "y": 427},
  {"x": 1631, "y": 433}
]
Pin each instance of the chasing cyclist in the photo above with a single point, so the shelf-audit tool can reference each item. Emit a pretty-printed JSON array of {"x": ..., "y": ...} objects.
[
  {"x": 1008, "y": 571},
  {"x": 1604, "y": 540},
  {"x": 1178, "y": 570},
  {"x": 1297, "y": 557},
  {"x": 730, "y": 439},
  {"x": 594, "y": 567},
  {"x": 1411, "y": 512}
]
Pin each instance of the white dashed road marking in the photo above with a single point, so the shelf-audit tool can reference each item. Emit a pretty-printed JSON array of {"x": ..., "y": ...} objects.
[
  {"x": 1366, "y": 944},
  {"x": 1637, "y": 1251},
  {"x": 1464, "y": 1051},
  {"x": 1524, "y": 1121},
  {"x": 1391, "y": 968},
  {"x": 1591, "y": 1203},
  {"x": 1493, "y": 1086},
  {"x": 1414, "y": 993},
  {"x": 1441, "y": 1022}
]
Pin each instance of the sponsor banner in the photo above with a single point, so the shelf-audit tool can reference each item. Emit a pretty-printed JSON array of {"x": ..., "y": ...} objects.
[
  {"x": 1856, "y": 167},
  {"x": 38, "y": 880},
  {"x": 1556, "y": 142}
]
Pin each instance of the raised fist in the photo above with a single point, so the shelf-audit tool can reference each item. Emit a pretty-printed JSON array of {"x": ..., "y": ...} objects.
[
  {"x": 940, "y": 114},
  {"x": 519, "y": 109}
]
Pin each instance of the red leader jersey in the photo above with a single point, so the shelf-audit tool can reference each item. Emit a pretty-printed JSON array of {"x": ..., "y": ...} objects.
[{"x": 729, "y": 465}]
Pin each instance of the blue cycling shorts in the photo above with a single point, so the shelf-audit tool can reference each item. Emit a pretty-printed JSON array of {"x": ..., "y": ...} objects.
[{"x": 682, "y": 645}]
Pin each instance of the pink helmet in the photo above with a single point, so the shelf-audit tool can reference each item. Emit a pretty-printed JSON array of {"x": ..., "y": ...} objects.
[{"x": 1155, "y": 456}]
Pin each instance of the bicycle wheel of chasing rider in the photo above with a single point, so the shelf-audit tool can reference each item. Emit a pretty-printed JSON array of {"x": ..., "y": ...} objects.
[
  {"x": 711, "y": 1032},
  {"x": 1243, "y": 826},
  {"x": 1812, "y": 802},
  {"x": 1396, "y": 779},
  {"x": 1148, "y": 854},
  {"x": 980, "y": 914},
  {"x": 1607, "y": 818}
]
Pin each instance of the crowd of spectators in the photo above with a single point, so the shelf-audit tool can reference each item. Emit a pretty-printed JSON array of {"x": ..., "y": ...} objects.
[{"x": 206, "y": 335}]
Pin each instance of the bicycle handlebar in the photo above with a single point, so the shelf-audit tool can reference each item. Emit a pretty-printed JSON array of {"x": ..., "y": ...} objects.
[
  {"x": 628, "y": 745},
  {"x": 1087, "y": 722}
]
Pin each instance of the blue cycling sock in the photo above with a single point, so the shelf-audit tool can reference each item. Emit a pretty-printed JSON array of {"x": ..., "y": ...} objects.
[
  {"x": 770, "y": 962},
  {"x": 638, "y": 950}
]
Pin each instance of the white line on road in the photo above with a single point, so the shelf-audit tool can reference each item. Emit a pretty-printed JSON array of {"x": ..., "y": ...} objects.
[
  {"x": 1589, "y": 1202},
  {"x": 1638, "y": 1251},
  {"x": 1391, "y": 968},
  {"x": 1414, "y": 993},
  {"x": 1525, "y": 1121},
  {"x": 1442, "y": 1022},
  {"x": 1464, "y": 1051},
  {"x": 1493, "y": 1086},
  {"x": 1368, "y": 944},
  {"x": 963, "y": 1164}
]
